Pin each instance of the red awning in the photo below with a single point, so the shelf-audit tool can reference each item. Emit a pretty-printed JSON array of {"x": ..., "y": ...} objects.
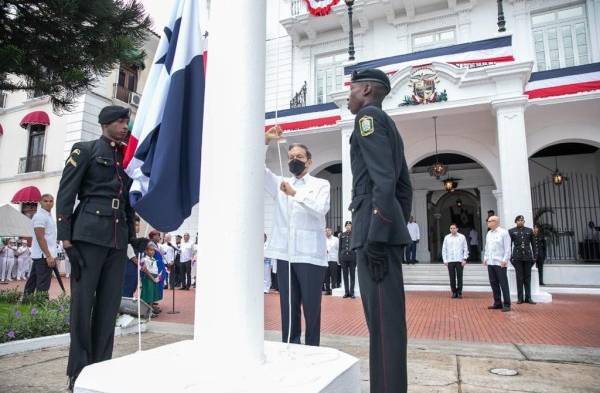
[
  {"x": 37, "y": 117},
  {"x": 27, "y": 195}
]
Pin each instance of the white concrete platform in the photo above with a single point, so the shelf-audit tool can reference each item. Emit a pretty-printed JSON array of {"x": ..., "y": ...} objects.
[{"x": 293, "y": 369}]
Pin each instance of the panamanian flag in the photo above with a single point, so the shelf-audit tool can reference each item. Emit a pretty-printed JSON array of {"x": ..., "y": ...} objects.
[{"x": 163, "y": 153}]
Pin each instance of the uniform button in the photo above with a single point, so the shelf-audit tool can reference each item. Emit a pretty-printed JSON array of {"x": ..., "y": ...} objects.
[
  {"x": 375, "y": 211},
  {"x": 117, "y": 221},
  {"x": 97, "y": 211},
  {"x": 118, "y": 163},
  {"x": 59, "y": 219},
  {"x": 113, "y": 144}
]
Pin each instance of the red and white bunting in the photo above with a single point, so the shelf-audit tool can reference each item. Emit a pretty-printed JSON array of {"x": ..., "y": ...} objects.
[{"x": 320, "y": 7}]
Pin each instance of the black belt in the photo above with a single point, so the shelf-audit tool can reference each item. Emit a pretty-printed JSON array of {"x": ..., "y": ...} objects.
[
  {"x": 361, "y": 189},
  {"x": 114, "y": 203}
]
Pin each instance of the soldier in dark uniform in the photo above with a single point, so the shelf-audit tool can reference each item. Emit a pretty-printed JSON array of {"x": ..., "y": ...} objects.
[
  {"x": 522, "y": 258},
  {"x": 95, "y": 236},
  {"x": 347, "y": 260},
  {"x": 381, "y": 203},
  {"x": 539, "y": 251}
]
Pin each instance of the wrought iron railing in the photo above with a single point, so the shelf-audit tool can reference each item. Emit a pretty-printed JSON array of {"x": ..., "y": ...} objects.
[
  {"x": 297, "y": 7},
  {"x": 32, "y": 163},
  {"x": 574, "y": 213},
  {"x": 299, "y": 99}
]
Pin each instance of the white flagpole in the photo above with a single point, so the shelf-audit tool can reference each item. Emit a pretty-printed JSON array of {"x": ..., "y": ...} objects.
[
  {"x": 232, "y": 188},
  {"x": 139, "y": 297}
]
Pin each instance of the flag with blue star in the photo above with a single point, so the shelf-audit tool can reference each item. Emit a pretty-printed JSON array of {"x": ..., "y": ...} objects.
[{"x": 163, "y": 153}]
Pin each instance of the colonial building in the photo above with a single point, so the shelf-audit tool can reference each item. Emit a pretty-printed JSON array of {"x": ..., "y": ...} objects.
[
  {"x": 511, "y": 116},
  {"x": 35, "y": 141}
]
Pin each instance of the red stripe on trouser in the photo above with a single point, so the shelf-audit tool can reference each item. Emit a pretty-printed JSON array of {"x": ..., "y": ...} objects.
[{"x": 383, "y": 362}]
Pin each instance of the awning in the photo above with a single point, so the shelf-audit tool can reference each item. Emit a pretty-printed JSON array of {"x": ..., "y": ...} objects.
[
  {"x": 37, "y": 117},
  {"x": 29, "y": 194}
]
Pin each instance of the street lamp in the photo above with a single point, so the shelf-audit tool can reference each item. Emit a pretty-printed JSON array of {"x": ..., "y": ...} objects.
[
  {"x": 350, "y": 3},
  {"x": 450, "y": 184}
]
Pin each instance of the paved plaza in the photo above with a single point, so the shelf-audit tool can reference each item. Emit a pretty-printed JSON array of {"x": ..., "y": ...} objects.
[{"x": 453, "y": 344}]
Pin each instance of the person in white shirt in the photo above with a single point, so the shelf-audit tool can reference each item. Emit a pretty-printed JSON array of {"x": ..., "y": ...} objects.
[
  {"x": 415, "y": 235},
  {"x": 473, "y": 244},
  {"x": 496, "y": 257},
  {"x": 187, "y": 252},
  {"x": 168, "y": 252},
  {"x": 8, "y": 260},
  {"x": 333, "y": 249},
  {"x": 297, "y": 241},
  {"x": 43, "y": 248},
  {"x": 454, "y": 254}
]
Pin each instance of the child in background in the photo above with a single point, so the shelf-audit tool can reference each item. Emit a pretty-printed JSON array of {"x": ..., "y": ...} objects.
[{"x": 150, "y": 278}]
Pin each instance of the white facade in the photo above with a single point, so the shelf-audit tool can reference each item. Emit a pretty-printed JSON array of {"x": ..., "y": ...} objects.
[{"x": 498, "y": 115}]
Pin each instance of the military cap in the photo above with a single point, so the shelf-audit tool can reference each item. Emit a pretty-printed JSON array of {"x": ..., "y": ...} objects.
[
  {"x": 110, "y": 113},
  {"x": 372, "y": 75},
  {"x": 519, "y": 217},
  {"x": 348, "y": 222},
  {"x": 153, "y": 233}
]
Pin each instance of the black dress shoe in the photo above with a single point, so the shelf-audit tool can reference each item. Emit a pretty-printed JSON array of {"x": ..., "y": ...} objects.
[
  {"x": 505, "y": 309},
  {"x": 519, "y": 302},
  {"x": 328, "y": 293},
  {"x": 460, "y": 295},
  {"x": 346, "y": 295},
  {"x": 454, "y": 295},
  {"x": 530, "y": 301},
  {"x": 494, "y": 307},
  {"x": 352, "y": 296}
]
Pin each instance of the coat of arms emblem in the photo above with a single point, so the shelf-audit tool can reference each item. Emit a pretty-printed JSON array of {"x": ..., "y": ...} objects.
[{"x": 423, "y": 84}]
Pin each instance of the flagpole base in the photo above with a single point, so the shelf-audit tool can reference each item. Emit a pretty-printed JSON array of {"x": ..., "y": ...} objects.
[{"x": 286, "y": 369}]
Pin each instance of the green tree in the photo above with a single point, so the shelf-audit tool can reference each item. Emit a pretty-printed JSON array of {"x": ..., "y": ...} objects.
[{"x": 60, "y": 47}]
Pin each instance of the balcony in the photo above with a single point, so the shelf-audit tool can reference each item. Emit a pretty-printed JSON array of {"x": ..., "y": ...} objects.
[
  {"x": 306, "y": 29},
  {"x": 32, "y": 163}
]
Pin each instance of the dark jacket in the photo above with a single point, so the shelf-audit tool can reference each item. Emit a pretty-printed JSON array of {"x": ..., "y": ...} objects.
[
  {"x": 539, "y": 247},
  {"x": 381, "y": 189},
  {"x": 522, "y": 243},
  {"x": 346, "y": 252},
  {"x": 94, "y": 174}
]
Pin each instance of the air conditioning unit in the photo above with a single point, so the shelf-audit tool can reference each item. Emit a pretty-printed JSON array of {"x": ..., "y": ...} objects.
[{"x": 135, "y": 98}]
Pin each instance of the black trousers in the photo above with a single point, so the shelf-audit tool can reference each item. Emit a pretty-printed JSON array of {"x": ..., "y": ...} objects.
[
  {"x": 349, "y": 272},
  {"x": 39, "y": 277},
  {"x": 455, "y": 270},
  {"x": 383, "y": 304},
  {"x": 499, "y": 283},
  {"x": 539, "y": 262},
  {"x": 186, "y": 274},
  {"x": 523, "y": 273},
  {"x": 95, "y": 300},
  {"x": 474, "y": 253},
  {"x": 305, "y": 288},
  {"x": 331, "y": 276},
  {"x": 339, "y": 276}
]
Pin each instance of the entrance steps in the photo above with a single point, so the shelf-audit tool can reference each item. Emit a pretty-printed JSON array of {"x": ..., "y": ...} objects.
[{"x": 474, "y": 274}]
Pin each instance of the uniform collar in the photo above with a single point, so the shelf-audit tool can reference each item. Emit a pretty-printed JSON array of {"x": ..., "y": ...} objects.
[{"x": 113, "y": 144}]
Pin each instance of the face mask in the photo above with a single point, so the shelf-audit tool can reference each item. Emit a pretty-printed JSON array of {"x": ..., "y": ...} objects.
[{"x": 296, "y": 167}]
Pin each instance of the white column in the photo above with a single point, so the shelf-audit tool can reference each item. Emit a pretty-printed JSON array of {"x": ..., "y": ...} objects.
[
  {"x": 231, "y": 189},
  {"x": 346, "y": 172},
  {"x": 514, "y": 165},
  {"x": 419, "y": 212}
]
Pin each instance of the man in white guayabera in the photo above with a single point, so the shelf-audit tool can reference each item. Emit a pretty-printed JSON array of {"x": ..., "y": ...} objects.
[{"x": 297, "y": 241}]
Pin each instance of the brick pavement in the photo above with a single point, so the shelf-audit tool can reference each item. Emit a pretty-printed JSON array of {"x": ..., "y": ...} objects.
[{"x": 569, "y": 320}]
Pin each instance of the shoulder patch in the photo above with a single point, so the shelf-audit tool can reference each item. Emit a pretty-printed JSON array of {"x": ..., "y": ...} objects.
[
  {"x": 367, "y": 126},
  {"x": 72, "y": 160}
]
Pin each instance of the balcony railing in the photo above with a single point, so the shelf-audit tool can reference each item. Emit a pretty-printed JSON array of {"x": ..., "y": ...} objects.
[
  {"x": 299, "y": 99},
  {"x": 32, "y": 163},
  {"x": 297, "y": 7}
]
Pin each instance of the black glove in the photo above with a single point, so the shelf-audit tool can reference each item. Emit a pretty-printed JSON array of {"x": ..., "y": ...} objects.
[
  {"x": 377, "y": 261},
  {"x": 76, "y": 261}
]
